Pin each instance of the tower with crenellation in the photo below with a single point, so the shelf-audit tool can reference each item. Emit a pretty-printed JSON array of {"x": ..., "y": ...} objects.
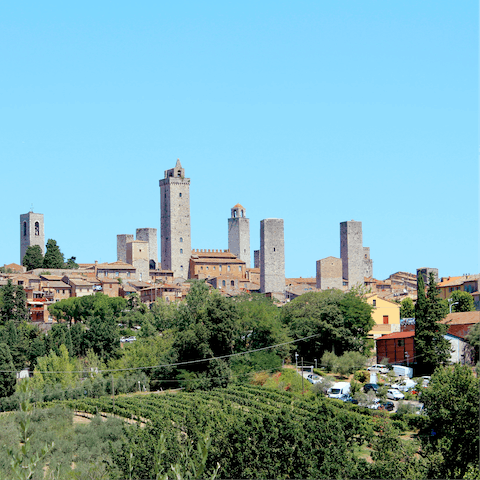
[{"x": 175, "y": 230}]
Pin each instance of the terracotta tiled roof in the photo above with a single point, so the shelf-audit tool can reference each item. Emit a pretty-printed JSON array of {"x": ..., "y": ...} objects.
[
  {"x": 461, "y": 318},
  {"x": 238, "y": 206},
  {"x": 449, "y": 281},
  {"x": 397, "y": 335},
  {"x": 58, "y": 284},
  {"x": 51, "y": 277},
  {"x": 460, "y": 331},
  {"x": 115, "y": 266}
]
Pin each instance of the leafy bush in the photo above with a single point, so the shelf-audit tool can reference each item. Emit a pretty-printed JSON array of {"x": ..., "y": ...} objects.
[{"x": 361, "y": 376}]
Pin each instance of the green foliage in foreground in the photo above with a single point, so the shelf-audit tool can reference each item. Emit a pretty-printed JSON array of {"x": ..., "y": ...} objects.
[{"x": 255, "y": 432}]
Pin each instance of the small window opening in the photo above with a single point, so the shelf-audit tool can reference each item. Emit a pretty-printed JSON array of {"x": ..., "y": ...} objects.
[
  {"x": 232, "y": 283},
  {"x": 374, "y": 303},
  {"x": 181, "y": 240},
  {"x": 24, "y": 229},
  {"x": 223, "y": 283},
  {"x": 180, "y": 194},
  {"x": 181, "y": 250},
  {"x": 273, "y": 248},
  {"x": 37, "y": 229}
]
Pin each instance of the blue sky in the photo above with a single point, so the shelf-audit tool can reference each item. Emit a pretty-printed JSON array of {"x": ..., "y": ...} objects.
[{"x": 312, "y": 111}]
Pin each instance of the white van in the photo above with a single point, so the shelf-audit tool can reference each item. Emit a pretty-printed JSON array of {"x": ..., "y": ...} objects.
[
  {"x": 338, "y": 389},
  {"x": 402, "y": 371}
]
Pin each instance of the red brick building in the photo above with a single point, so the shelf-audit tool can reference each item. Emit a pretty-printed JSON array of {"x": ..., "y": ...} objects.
[{"x": 397, "y": 348}]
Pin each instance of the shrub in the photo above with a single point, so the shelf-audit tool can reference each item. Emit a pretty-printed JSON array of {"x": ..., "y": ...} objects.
[{"x": 361, "y": 376}]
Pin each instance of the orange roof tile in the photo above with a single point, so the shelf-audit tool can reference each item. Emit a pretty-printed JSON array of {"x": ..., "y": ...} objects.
[{"x": 461, "y": 318}]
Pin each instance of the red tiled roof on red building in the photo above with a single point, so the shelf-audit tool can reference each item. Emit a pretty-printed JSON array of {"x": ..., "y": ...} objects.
[{"x": 397, "y": 335}]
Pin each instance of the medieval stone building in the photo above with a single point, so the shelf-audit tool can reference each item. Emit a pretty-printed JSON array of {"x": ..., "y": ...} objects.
[{"x": 32, "y": 232}]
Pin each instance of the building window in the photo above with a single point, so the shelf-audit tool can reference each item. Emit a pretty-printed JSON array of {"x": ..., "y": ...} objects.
[
  {"x": 207, "y": 268},
  {"x": 385, "y": 319},
  {"x": 181, "y": 240},
  {"x": 401, "y": 342},
  {"x": 181, "y": 268},
  {"x": 273, "y": 248},
  {"x": 24, "y": 229},
  {"x": 223, "y": 283},
  {"x": 116, "y": 274},
  {"x": 181, "y": 250},
  {"x": 128, "y": 274},
  {"x": 232, "y": 283},
  {"x": 219, "y": 268},
  {"x": 374, "y": 303},
  {"x": 37, "y": 229},
  {"x": 239, "y": 268},
  {"x": 106, "y": 274},
  {"x": 228, "y": 268},
  {"x": 201, "y": 268},
  {"x": 180, "y": 194},
  {"x": 214, "y": 267}
]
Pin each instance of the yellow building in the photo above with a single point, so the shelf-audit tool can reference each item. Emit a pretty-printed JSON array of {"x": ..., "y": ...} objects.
[{"x": 386, "y": 315}]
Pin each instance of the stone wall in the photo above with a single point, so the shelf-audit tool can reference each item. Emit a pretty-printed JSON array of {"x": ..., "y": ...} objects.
[
  {"x": 367, "y": 263},
  {"x": 138, "y": 256},
  {"x": 272, "y": 256},
  {"x": 329, "y": 273},
  {"x": 256, "y": 259}
]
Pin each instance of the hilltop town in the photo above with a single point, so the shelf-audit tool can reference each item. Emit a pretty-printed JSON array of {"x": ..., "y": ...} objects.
[{"x": 138, "y": 269}]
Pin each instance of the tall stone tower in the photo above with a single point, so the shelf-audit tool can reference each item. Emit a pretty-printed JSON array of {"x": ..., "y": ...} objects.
[
  {"x": 272, "y": 257},
  {"x": 138, "y": 256},
  {"x": 150, "y": 235},
  {"x": 176, "y": 241},
  {"x": 351, "y": 252},
  {"x": 239, "y": 234},
  {"x": 122, "y": 241},
  {"x": 32, "y": 232}
]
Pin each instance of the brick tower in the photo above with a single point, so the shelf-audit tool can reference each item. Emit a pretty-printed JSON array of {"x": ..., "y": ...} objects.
[
  {"x": 239, "y": 234},
  {"x": 176, "y": 241},
  {"x": 272, "y": 257},
  {"x": 351, "y": 252},
  {"x": 32, "y": 232}
]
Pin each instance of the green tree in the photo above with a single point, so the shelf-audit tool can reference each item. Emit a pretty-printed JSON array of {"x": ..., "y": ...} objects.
[
  {"x": 431, "y": 347},
  {"x": 53, "y": 256},
  {"x": 473, "y": 338},
  {"x": 13, "y": 304},
  {"x": 464, "y": 301},
  {"x": 8, "y": 376},
  {"x": 54, "y": 369},
  {"x": 71, "y": 263},
  {"x": 451, "y": 433},
  {"x": 407, "y": 308},
  {"x": 337, "y": 320},
  {"x": 33, "y": 257}
]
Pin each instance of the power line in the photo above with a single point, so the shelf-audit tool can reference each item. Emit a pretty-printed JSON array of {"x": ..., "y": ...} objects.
[{"x": 176, "y": 364}]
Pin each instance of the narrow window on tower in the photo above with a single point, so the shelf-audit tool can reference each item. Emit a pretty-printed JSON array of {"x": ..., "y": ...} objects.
[
  {"x": 24, "y": 229},
  {"x": 181, "y": 240},
  {"x": 37, "y": 229},
  {"x": 273, "y": 248},
  {"x": 181, "y": 250},
  {"x": 180, "y": 194},
  {"x": 181, "y": 268}
]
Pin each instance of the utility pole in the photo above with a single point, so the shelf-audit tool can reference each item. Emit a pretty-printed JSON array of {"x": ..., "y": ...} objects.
[
  {"x": 302, "y": 375},
  {"x": 113, "y": 395}
]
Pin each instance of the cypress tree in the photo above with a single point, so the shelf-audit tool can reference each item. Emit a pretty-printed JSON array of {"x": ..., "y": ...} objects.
[
  {"x": 33, "y": 257},
  {"x": 431, "y": 348},
  {"x": 53, "y": 256},
  {"x": 8, "y": 376}
]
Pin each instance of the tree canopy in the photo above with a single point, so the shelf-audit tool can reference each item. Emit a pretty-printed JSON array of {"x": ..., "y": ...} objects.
[
  {"x": 431, "y": 347},
  {"x": 13, "y": 304},
  {"x": 33, "y": 257},
  {"x": 53, "y": 256},
  {"x": 339, "y": 321},
  {"x": 464, "y": 301}
]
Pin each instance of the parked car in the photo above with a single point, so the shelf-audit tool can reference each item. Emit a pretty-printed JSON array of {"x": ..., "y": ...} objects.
[
  {"x": 370, "y": 386},
  {"x": 348, "y": 399},
  {"x": 404, "y": 385},
  {"x": 389, "y": 406},
  {"x": 425, "y": 380},
  {"x": 394, "y": 394},
  {"x": 402, "y": 371},
  {"x": 313, "y": 378},
  {"x": 338, "y": 389},
  {"x": 378, "y": 368}
]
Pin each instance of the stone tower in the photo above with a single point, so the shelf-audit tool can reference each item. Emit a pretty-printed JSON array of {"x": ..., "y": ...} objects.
[
  {"x": 351, "y": 253},
  {"x": 239, "y": 234},
  {"x": 150, "y": 235},
  {"x": 176, "y": 241},
  {"x": 122, "y": 241},
  {"x": 138, "y": 256},
  {"x": 272, "y": 257},
  {"x": 32, "y": 232}
]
